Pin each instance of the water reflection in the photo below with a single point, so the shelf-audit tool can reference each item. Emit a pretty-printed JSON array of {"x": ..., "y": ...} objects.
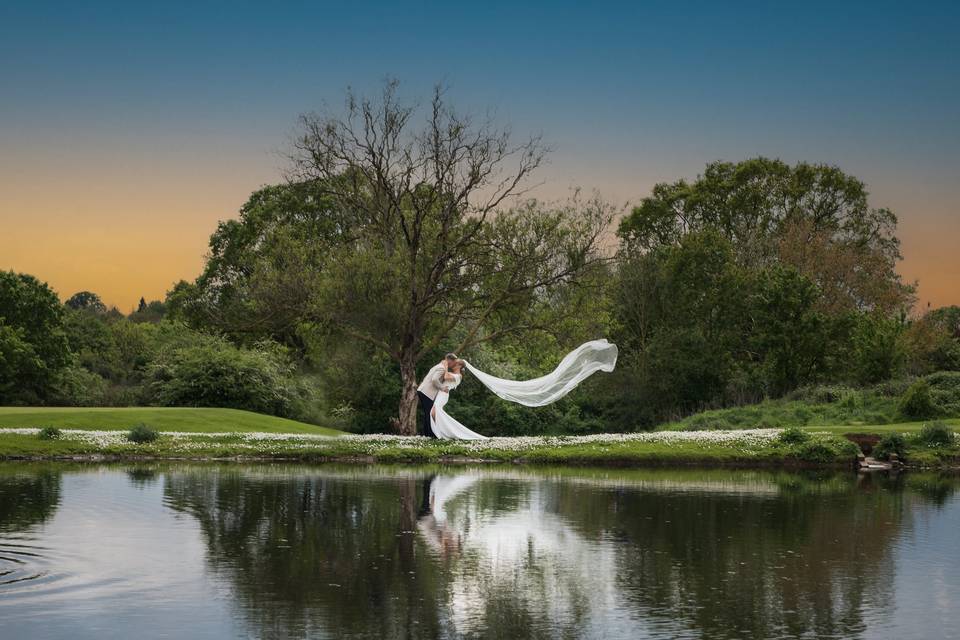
[
  {"x": 29, "y": 495},
  {"x": 381, "y": 552},
  {"x": 510, "y": 553}
]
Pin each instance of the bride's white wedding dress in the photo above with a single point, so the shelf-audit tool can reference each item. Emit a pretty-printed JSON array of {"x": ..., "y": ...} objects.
[
  {"x": 576, "y": 366},
  {"x": 445, "y": 426}
]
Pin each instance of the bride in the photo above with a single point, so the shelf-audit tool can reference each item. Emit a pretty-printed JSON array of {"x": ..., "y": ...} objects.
[
  {"x": 576, "y": 366},
  {"x": 445, "y": 426}
]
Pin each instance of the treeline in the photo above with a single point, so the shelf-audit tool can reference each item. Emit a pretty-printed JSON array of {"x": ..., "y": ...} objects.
[
  {"x": 331, "y": 293},
  {"x": 711, "y": 307},
  {"x": 82, "y": 354}
]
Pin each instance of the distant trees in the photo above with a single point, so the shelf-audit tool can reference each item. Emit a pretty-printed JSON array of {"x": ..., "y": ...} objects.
[
  {"x": 86, "y": 301},
  {"x": 811, "y": 217}
]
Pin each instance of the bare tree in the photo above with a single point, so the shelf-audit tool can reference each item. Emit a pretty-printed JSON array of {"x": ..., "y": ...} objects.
[{"x": 431, "y": 254}]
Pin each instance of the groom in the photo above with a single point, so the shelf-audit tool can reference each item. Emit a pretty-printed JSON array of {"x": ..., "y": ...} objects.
[{"x": 430, "y": 387}]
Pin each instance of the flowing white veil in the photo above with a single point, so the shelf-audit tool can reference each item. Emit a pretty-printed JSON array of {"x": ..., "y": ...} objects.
[{"x": 576, "y": 366}]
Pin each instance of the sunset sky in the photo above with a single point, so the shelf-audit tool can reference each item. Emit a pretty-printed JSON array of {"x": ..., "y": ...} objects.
[{"x": 127, "y": 132}]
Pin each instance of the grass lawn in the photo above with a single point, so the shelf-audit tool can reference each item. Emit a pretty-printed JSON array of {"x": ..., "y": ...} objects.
[
  {"x": 880, "y": 429},
  {"x": 186, "y": 419}
]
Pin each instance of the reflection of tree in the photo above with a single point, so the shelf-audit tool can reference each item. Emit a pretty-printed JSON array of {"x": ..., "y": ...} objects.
[
  {"x": 313, "y": 554},
  {"x": 142, "y": 476},
  {"x": 349, "y": 554},
  {"x": 28, "y": 495},
  {"x": 748, "y": 566}
]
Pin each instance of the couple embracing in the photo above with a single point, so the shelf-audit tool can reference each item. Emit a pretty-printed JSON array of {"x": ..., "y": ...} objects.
[
  {"x": 434, "y": 392},
  {"x": 443, "y": 377}
]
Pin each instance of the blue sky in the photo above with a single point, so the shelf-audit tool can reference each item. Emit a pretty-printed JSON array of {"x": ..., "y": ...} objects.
[{"x": 117, "y": 103}]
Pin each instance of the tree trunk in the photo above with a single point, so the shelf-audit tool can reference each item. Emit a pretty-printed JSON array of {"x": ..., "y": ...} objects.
[{"x": 407, "y": 422}]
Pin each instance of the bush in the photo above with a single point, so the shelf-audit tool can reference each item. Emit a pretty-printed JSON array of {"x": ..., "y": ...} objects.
[
  {"x": 936, "y": 434},
  {"x": 49, "y": 433},
  {"x": 219, "y": 374},
  {"x": 825, "y": 449},
  {"x": 142, "y": 433},
  {"x": 822, "y": 394},
  {"x": 917, "y": 402},
  {"x": 945, "y": 391},
  {"x": 74, "y": 386},
  {"x": 793, "y": 435},
  {"x": 890, "y": 443}
]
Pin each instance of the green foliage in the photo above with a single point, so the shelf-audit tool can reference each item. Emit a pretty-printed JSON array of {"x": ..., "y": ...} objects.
[
  {"x": 917, "y": 402},
  {"x": 793, "y": 435},
  {"x": 86, "y": 301},
  {"x": 142, "y": 434},
  {"x": 932, "y": 343},
  {"x": 76, "y": 386},
  {"x": 153, "y": 311},
  {"x": 215, "y": 373},
  {"x": 945, "y": 391},
  {"x": 877, "y": 349},
  {"x": 49, "y": 433},
  {"x": 812, "y": 217},
  {"x": 824, "y": 449},
  {"x": 793, "y": 339},
  {"x": 890, "y": 443},
  {"x": 33, "y": 347},
  {"x": 936, "y": 434}
]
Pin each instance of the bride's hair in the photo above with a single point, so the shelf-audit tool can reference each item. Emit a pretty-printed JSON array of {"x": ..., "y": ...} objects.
[{"x": 462, "y": 364}]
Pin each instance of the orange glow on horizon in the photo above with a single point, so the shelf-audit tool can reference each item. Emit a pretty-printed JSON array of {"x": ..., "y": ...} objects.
[{"x": 125, "y": 232}]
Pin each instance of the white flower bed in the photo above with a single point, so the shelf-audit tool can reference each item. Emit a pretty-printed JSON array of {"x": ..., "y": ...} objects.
[{"x": 265, "y": 442}]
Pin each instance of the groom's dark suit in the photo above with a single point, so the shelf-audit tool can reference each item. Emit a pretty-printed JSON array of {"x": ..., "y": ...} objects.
[{"x": 427, "y": 394}]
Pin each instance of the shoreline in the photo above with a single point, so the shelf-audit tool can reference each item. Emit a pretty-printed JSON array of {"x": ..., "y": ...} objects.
[
  {"x": 744, "y": 449},
  {"x": 451, "y": 460}
]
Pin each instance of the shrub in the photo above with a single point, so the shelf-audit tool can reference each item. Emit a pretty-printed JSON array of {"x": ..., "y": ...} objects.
[
  {"x": 851, "y": 402},
  {"x": 793, "y": 435},
  {"x": 945, "y": 391},
  {"x": 142, "y": 433},
  {"x": 74, "y": 386},
  {"x": 890, "y": 443},
  {"x": 917, "y": 402},
  {"x": 936, "y": 434},
  {"x": 823, "y": 394},
  {"x": 49, "y": 433},
  {"x": 219, "y": 374},
  {"x": 825, "y": 449}
]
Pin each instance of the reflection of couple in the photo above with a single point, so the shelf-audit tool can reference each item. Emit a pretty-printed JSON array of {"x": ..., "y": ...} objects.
[
  {"x": 576, "y": 366},
  {"x": 434, "y": 392},
  {"x": 432, "y": 520}
]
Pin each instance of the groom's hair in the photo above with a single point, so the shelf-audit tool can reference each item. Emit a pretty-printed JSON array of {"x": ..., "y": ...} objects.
[{"x": 451, "y": 356}]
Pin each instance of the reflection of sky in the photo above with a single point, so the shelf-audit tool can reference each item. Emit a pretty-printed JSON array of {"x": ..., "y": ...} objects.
[
  {"x": 119, "y": 565},
  {"x": 926, "y": 583}
]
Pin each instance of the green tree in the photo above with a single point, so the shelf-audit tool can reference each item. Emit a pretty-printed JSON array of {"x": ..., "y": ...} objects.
[
  {"x": 261, "y": 268},
  {"x": 33, "y": 346},
  {"x": 878, "y": 349},
  {"x": 791, "y": 337},
  {"x": 812, "y": 217},
  {"x": 680, "y": 316},
  {"x": 431, "y": 260}
]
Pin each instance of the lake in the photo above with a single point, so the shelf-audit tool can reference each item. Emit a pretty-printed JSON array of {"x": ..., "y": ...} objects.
[{"x": 283, "y": 551}]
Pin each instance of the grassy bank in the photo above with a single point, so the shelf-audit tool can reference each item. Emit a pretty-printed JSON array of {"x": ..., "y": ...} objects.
[
  {"x": 839, "y": 409},
  {"x": 756, "y": 447},
  {"x": 182, "y": 419}
]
